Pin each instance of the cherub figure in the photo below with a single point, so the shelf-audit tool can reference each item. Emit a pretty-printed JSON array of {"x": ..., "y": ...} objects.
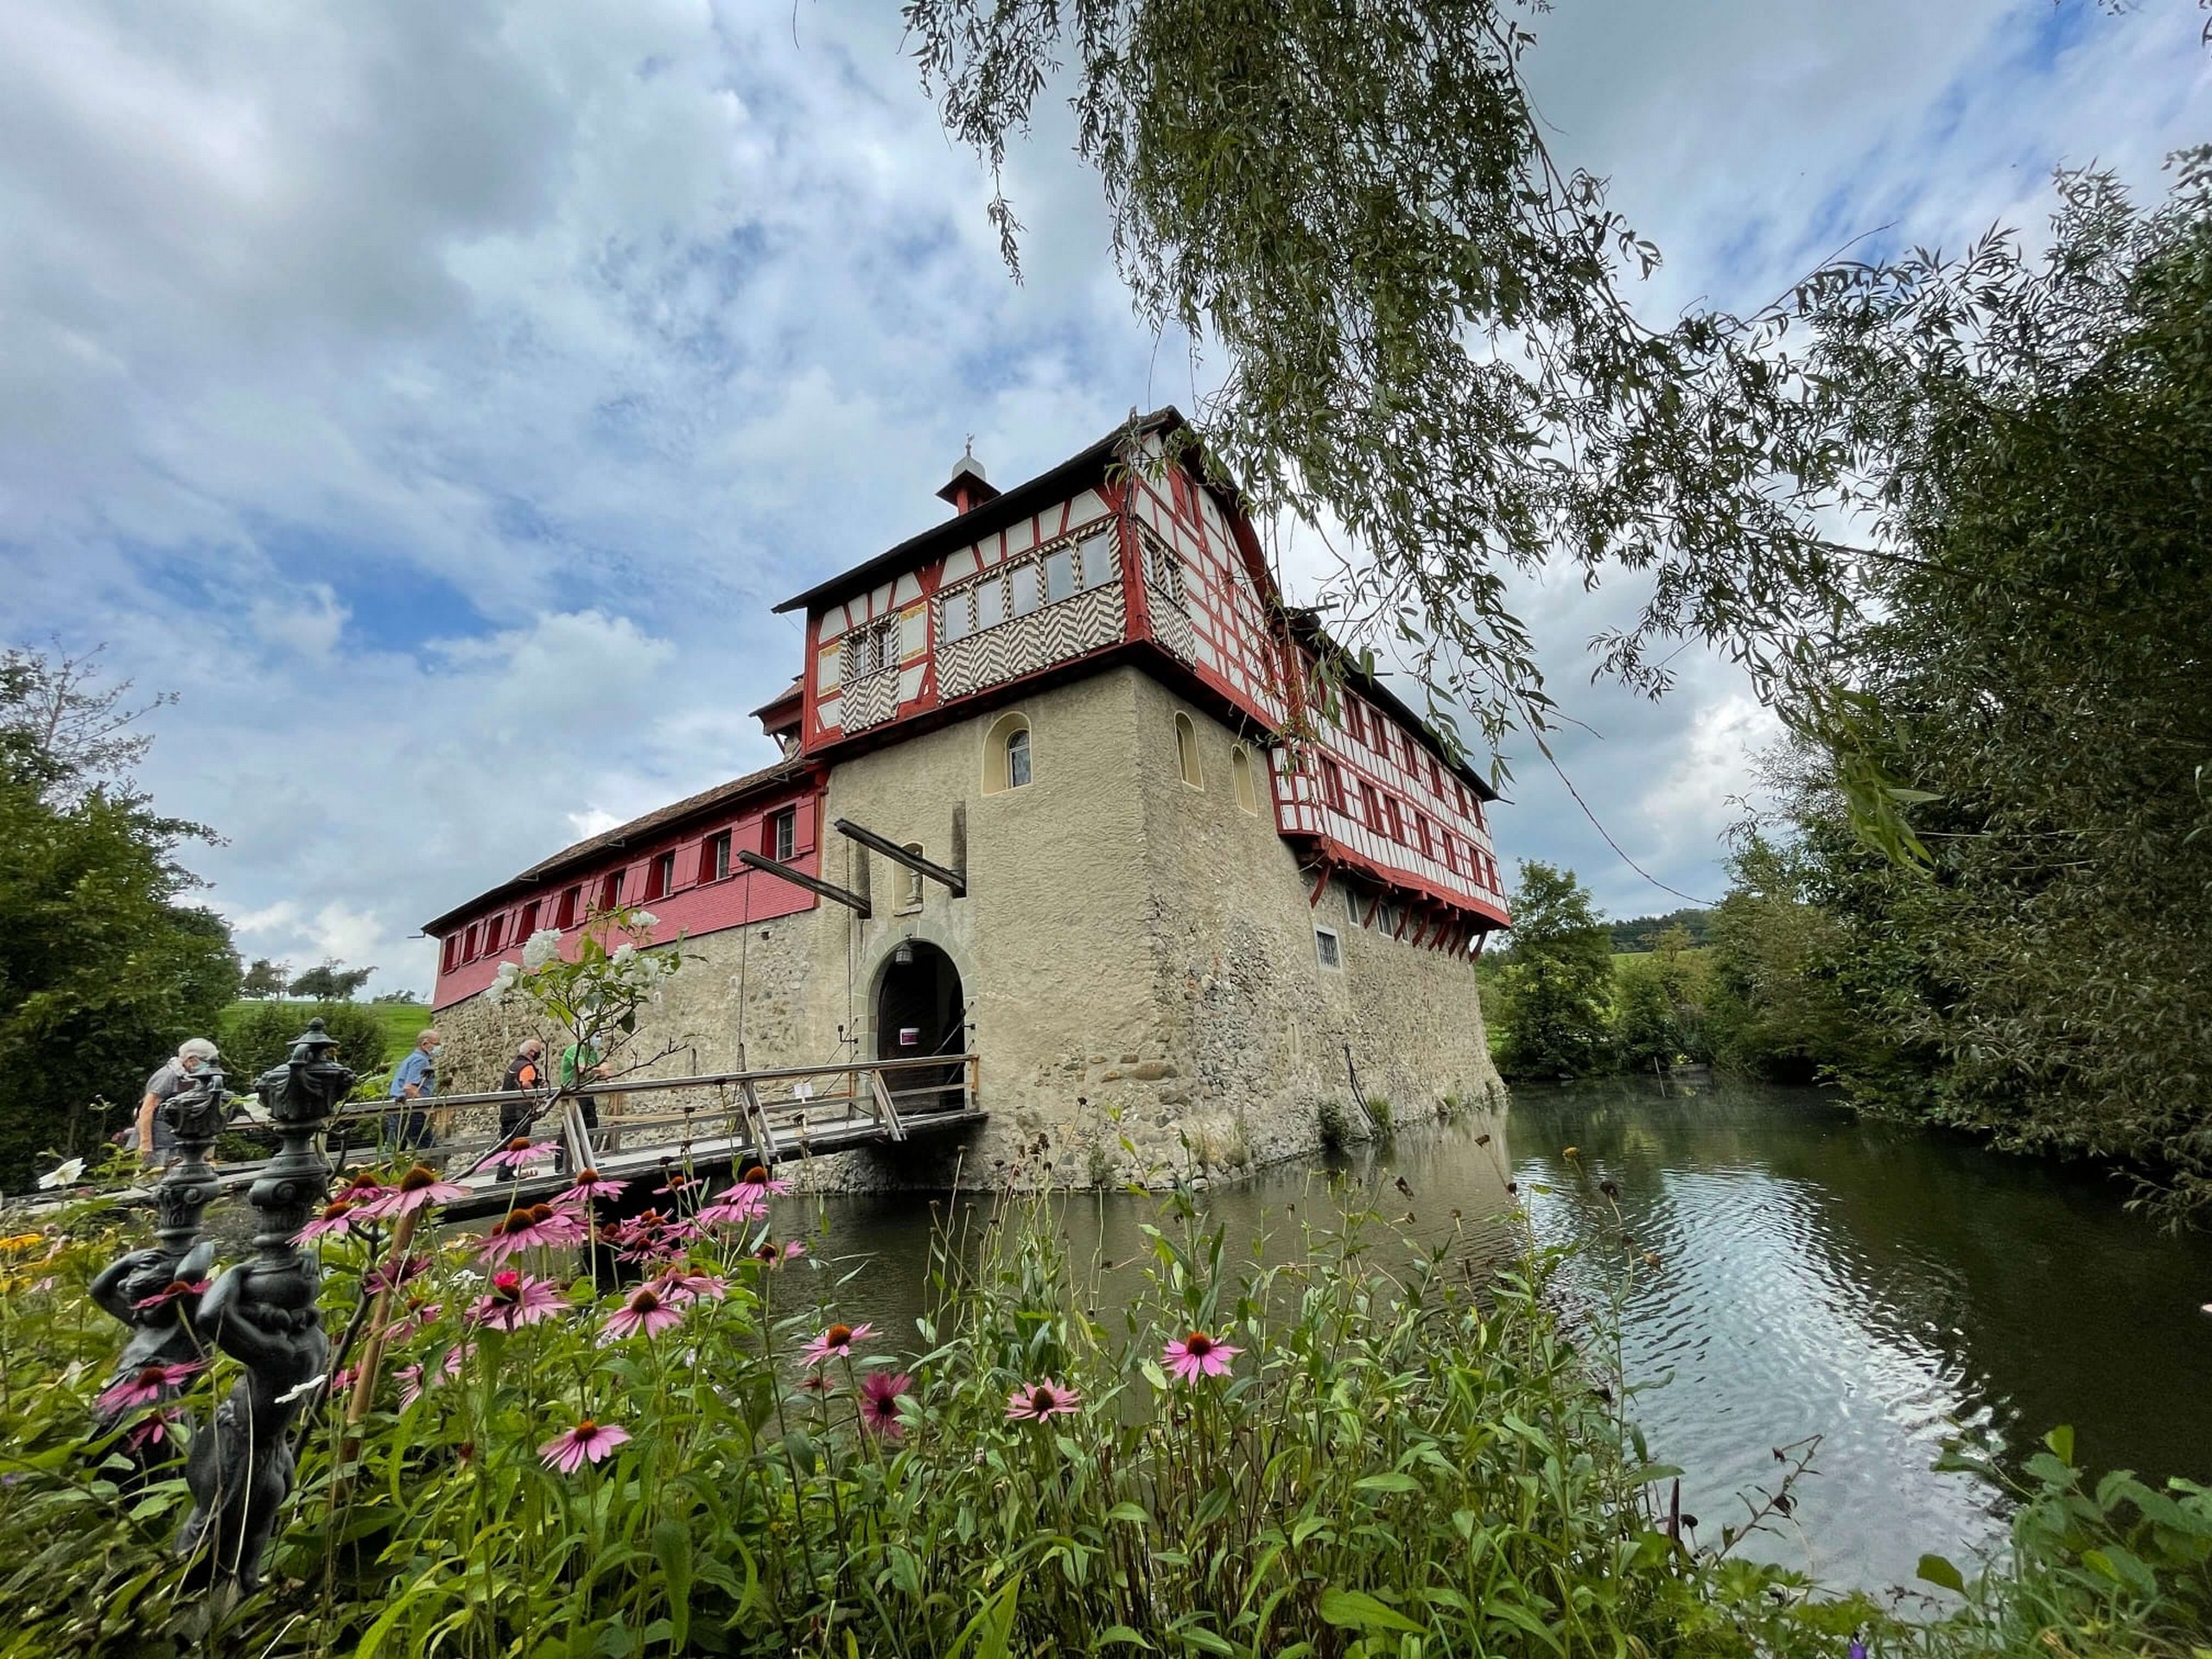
[{"x": 241, "y": 1472}]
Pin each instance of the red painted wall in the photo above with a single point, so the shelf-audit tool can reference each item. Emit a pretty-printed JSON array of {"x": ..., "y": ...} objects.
[{"x": 691, "y": 908}]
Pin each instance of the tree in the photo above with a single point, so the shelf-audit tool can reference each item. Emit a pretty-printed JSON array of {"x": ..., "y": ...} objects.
[
  {"x": 1557, "y": 984},
  {"x": 1659, "y": 1019},
  {"x": 331, "y": 981},
  {"x": 412, "y": 999},
  {"x": 265, "y": 978},
  {"x": 60, "y": 729},
  {"x": 104, "y": 970},
  {"x": 1643, "y": 933},
  {"x": 2025, "y": 716},
  {"x": 258, "y": 1038}
]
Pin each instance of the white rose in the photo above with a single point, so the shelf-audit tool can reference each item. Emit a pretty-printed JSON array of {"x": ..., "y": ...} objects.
[
  {"x": 644, "y": 918},
  {"x": 624, "y": 955},
  {"x": 543, "y": 947}
]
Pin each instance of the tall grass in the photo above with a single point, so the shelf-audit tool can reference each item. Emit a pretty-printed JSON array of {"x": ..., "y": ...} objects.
[{"x": 1406, "y": 1454}]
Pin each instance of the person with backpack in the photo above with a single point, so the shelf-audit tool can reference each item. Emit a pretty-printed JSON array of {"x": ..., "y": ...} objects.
[{"x": 525, "y": 1079}]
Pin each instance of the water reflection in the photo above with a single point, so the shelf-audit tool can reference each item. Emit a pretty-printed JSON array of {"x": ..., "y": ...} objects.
[{"x": 1812, "y": 1275}]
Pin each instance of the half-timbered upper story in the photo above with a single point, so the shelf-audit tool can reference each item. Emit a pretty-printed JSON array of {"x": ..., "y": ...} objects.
[{"x": 1127, "y": 552}]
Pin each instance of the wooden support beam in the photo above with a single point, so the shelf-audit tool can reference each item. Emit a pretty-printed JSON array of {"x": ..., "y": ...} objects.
[
  {"x": 897, "y": 855},
  {"x": 752, "y": 860}
]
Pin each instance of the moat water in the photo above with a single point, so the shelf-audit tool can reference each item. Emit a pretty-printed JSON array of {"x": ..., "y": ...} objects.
[{"x": 1881, "y": 1288}]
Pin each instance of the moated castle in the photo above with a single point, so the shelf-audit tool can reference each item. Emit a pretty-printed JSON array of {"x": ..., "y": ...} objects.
[{"x": 1106, "y": 827}]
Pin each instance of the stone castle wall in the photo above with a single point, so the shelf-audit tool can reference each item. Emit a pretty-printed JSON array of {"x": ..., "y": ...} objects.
[{"x": 1137, "y": 956}]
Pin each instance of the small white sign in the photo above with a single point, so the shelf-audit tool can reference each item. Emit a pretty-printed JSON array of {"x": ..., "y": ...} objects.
[{"x": 910, "y": 1036}]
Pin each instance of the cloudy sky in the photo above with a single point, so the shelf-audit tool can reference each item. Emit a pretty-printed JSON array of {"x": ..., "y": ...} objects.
[{"x": 438, "y": 396}]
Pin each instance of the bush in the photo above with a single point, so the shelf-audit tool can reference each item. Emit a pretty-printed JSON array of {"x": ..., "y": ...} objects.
[{"x": 260, "y": 1034}]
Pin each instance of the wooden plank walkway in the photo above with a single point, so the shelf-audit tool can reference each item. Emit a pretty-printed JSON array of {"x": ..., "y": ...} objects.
[{"x": 773, "y": 1116}]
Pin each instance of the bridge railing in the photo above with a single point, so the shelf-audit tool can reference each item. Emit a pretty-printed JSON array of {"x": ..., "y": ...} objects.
[{"x": 759, "y": 1107}]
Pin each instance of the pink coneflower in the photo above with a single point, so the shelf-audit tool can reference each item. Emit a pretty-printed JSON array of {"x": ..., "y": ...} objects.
[
  {"x": 837, "y": 1342},
  {"x": 590, "y": 1183},
  {"x": 678, "y": 1287},
  {"x": 1198, "y": 1354},
  {"x": 409, "y": 1378},
  {"x": 418, "y": 1188},
  {"x": 335, "y": 1222},
  {"x": 363, "y": 1186},
  {"x": 816, "y": 1382},
  {"x": 391, "y": 1275},
  {"x": 515, "y": 1301},
  {"x": 419, "y": 1312},
  {"x": 678, "y": 1184},
  {"x": 587, "y": 1442},
  {"x": 757, "y": 1180},
  {"x": 1039, "y": 1403},
  {"x": 145, "y": 1386},
  {"x": 647, "y": 1310},
  {"x": 153, "y": 1429},
  {"x": 177, "y": 1291},
  {"x": 769, "y": 1254},
  {"x": 880, "y": 1396},
  {"x": 456, "y": 1356},
  {"x": 523, "y": 1229},
  {"x": 738, "y": 1207},
  {"x": 520, "y": 1153}
]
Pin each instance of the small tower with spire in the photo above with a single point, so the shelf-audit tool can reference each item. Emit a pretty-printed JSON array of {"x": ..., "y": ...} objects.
[{"x": 967, "y": 487}]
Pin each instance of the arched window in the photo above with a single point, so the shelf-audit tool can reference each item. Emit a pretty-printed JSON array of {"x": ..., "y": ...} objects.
[
  {"x": 1007, "y": 758},
  {"x": 1186, "y": 750},
  {"x": 1240, "y": 774}
]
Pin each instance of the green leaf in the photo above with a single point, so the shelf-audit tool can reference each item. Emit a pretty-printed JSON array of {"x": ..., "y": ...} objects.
[
  {"x": 1386, "y": 1483},
  {"x": 1935, "y": 1570},
  {"x": 672, "y": 1549},
  {"x": 1135, "y": 1513},
  {"x": 1354, "y": 1610},
  {"x": 2061, "y": 1442},
  {"x": 1123, "y": 1634}
]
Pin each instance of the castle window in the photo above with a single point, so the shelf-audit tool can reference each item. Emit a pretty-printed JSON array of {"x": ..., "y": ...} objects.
[
  {"x": 572, "y": 899},
  {"x": 610, "y": 891},
  {"x": 1436, "y": 778},
  {"x": 452, "y": 953},
  {"x": 871, "y": 648},
  {"x": 660, "y": 876},
  {"x": 1396, "y": 818},
  {"x": 1063, "y": 576},
  {"x": 1163, "y": 571},
  {"x": 1370, "y": 806},
  {"x": 1006, "y": 755},
  {"x": 779, "y": 835},
  {"x": 468, "y": 943},
  {"x": 990, "y": 602},
  {"x": 1240, "y": 775},
  {"x": 1329, "y": 949},
  {"x": 529, "y": 920},
  {"x": 911, "y": 898},
  {"x": 491, "y": 933},
  {"x": 1353, "y": 723},
  {"x": 1025, "y": 581},
  {"x": 1389, "y": 918},
  {"x": 1186, "y": 750},
  {"x": 1333, "y": 784},
  {"x": 1421, "y": 835},
  {"x": 956, "y": 615},
  {"x": 714, "y": 858},
  {"x": 1098, "y": 560}
]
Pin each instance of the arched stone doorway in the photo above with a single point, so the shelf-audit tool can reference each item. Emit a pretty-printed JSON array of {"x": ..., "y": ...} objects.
[{"x": 921, "y": 1010}]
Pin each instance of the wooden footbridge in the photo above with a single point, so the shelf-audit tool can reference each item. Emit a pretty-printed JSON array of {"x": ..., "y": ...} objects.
[{"x": 706, "y": 1124}]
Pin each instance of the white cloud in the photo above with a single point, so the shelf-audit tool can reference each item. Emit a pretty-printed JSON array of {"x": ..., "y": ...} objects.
[{"x": 438, "y": 395}]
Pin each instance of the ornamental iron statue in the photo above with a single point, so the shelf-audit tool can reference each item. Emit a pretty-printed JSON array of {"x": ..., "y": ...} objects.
[
  {"x": 263, "y": 1313},
  {"x": 158, "y": 1291}
]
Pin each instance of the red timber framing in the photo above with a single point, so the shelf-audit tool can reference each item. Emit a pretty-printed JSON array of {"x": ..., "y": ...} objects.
[
  {"x": 706, "y": 893},
  {"x": 1130, "y": 551}
]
